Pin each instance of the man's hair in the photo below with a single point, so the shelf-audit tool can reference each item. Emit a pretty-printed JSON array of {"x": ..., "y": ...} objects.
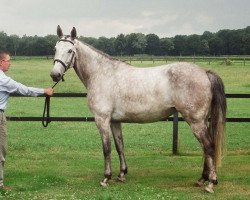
[{"x": 3, "y": 53}]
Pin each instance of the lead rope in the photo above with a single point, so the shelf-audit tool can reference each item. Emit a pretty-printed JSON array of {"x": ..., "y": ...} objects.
[{"x": 46, "y": 111}]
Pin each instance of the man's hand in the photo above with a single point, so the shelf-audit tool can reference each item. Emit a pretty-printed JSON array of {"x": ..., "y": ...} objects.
[{"x": 48, "y": 91}]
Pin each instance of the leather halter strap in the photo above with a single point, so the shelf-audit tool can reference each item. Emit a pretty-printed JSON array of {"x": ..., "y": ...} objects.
[{"x": 66, "y": 41}]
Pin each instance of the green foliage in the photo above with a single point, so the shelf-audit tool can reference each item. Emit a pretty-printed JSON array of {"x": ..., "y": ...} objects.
[
  {"x": 136, "y": 43},
  {"x": 166, "y": 46},
  {"x": 224, "y": 42},
  {"x": 153, "y": 44},
  {"x": 120, "y": 45}
]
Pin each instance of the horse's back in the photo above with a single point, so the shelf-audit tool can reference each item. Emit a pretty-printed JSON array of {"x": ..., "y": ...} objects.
[{"x": 162, "y": 80}]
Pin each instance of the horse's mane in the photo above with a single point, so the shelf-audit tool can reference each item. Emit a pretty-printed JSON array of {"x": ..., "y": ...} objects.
[{"x": 100, "y": 52}]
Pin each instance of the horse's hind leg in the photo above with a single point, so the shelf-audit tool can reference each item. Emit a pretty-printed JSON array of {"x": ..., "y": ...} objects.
[
  {"x": 209, "y": 172},
  {"x": 103, "y": 124},
  {"x": 117, "y": 134}
]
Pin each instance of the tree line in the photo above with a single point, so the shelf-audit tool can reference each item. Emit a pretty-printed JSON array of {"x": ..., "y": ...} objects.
[{"x": 223, "y": 42}]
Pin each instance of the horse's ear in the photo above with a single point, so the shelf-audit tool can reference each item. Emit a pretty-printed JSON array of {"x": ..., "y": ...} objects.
[
  {"x": 73, "y": 33},
  {"x": 59, "y": 31}
]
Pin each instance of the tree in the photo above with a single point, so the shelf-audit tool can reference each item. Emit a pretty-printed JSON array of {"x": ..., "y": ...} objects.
[
  {"x": 136, "y": 43},
  {"x": 204, "y": 47},
  {"x": 51, "y": 42},
  {"x": 13, "y": 44},
  {"x": 153, "y": 44},
  {"x": 224, "y": 37},
  {"x": 235, "y": 43},
  {"x": 106, "y": 45},
  {"x": 246, "y": 43},
  {"x": 207, "y": 35},
  {"x": 89, "y": 40},
  {"x": 3, "y": 40},
  {"x": 24, "y": 49},
  {"x": 179, "y": 44},
  {"x": 166, "y": 46},
  {"x": 40, "y": 46},
  {"x": 120, "y": 44},
  {"x": 192, "y": 44},
  {"x": 216, "y": 45}
]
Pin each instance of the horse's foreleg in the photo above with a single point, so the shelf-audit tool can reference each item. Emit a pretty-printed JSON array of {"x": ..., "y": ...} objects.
[
  {"x": 103, "y": 124},
  {"x": 117, "y": 134},
  {"x": 209, "y": 172}
]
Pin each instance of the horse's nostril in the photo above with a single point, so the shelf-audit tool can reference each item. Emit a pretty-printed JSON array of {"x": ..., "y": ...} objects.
[{"x": 55, "y": 75}]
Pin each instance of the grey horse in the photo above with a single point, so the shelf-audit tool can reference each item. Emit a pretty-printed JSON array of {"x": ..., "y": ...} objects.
[{"x": 119, "y": 92}]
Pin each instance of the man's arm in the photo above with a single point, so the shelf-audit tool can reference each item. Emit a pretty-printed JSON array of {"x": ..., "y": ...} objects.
[{"x": 11, "y": 86}]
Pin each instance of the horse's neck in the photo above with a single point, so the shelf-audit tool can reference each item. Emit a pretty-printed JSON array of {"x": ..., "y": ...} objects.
[{"x": 91, "y": 63}]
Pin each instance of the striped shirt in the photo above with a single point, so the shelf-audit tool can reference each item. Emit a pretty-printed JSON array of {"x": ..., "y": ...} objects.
[{"x": 8, "y": 86}]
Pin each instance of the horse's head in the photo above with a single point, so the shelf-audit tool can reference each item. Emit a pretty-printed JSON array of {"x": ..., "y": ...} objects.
[{"x": 65, "y": 54}]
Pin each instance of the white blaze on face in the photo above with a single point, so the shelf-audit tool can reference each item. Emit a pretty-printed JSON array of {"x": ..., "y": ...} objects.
[{"x": 64, "y": 52}]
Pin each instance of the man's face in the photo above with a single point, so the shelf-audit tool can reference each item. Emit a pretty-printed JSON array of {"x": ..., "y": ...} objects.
[{"x": 5, "y": 63}]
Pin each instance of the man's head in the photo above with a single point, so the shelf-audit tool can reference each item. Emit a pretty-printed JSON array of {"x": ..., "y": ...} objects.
[{"x": 4, "y": 60}]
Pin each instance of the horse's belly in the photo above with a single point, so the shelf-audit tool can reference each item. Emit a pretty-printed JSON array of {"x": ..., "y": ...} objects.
[{"x": 142, "y": 116}]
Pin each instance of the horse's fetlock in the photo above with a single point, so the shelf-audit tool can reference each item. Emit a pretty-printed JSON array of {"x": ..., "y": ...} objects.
[
  {"x": 213, "y": 178},
  {"x": 215, "y": 182},
  {"x": 108, "y": 176},
  {"x": 205, "y": 176},
  {"x": 125, "y": 171}
]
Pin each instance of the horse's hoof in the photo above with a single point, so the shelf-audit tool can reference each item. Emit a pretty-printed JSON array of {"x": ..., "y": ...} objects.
[
  {"x": 121, "y": 179},
  {"x": 104, "y": 184},
  {"x": 208, "y": 189}
]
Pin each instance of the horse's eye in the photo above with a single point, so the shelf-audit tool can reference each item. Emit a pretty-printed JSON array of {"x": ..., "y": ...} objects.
[
  {"x": 70, "y": 51},
  {"x": 55, "y": 49}
]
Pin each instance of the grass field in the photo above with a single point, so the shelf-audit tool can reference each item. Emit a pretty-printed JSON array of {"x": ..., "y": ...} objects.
[{"x": 65, "y": 161}]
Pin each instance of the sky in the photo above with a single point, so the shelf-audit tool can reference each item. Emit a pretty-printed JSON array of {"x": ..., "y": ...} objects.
[{"x": 109, "y": 18}]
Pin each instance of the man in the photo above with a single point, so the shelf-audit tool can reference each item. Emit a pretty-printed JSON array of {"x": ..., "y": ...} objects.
[{"x": 8, "y": 86}]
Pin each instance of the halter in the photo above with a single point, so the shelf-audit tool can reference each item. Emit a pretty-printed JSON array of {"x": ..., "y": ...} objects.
[
  {"x": 66, "y": 67},
  {"x": 46, "y": 112}
]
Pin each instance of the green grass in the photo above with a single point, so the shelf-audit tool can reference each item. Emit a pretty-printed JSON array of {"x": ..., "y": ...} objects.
[{"x": 65, "y": 161}]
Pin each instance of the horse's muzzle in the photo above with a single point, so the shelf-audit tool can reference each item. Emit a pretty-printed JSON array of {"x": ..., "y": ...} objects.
[{"x": 56, "y": 76}]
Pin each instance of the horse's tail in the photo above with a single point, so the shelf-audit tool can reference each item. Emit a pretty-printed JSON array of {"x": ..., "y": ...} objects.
[{"x": 218, "y": 115}]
